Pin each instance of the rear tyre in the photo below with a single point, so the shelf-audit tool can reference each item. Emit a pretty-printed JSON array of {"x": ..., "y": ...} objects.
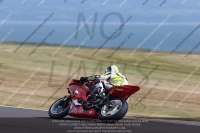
[
  {"x": 59, "y": 108},
  {"x": 116, "y": 112}
]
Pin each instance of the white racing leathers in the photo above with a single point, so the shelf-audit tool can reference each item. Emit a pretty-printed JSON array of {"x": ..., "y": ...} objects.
[{"x": 109, "y": 80}]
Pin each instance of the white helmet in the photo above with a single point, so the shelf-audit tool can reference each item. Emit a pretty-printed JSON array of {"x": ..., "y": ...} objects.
[{"x": 112, "y": 68}]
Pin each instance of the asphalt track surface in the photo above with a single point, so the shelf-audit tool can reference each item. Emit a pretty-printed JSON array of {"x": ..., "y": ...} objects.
[{"x": 19, "y": 120}]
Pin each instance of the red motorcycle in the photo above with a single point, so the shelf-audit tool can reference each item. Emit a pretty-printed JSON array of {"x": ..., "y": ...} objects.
[{"x": 84, "y": 103}]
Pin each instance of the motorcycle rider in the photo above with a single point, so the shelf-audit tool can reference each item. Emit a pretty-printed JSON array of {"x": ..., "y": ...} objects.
[{"x": 110, "y": 78}]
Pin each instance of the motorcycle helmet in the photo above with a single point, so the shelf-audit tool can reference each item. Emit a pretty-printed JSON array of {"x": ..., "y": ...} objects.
[{"x": 112, "y": 68}]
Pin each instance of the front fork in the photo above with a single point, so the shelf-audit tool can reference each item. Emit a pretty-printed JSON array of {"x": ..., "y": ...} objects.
[{"x": 65, "y": 101}]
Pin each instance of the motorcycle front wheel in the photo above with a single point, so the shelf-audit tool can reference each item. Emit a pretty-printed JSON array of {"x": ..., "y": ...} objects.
[{"x": 59, "y": 108}]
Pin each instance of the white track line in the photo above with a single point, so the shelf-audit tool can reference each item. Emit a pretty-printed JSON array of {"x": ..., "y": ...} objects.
[
  {"x": 193, "y": 123},
  {"x": 22, "y": 108}
]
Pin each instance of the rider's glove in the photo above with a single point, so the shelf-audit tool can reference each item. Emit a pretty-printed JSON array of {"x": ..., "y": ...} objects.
[
  {"x": 83, "y": 79},
  {"x": 97, "y": 80}
]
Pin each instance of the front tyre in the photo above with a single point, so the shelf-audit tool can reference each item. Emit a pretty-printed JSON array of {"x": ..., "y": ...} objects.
[
  {"x": 116, "y": 112},
  {"x": 59, "y": 108}
]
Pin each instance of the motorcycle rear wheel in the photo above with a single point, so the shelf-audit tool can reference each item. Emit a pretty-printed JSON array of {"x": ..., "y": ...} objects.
[{"x": 117, "y": 112}]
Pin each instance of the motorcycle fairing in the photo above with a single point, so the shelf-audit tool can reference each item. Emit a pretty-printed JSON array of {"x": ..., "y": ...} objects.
[{"x": 78, "y": 111}]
